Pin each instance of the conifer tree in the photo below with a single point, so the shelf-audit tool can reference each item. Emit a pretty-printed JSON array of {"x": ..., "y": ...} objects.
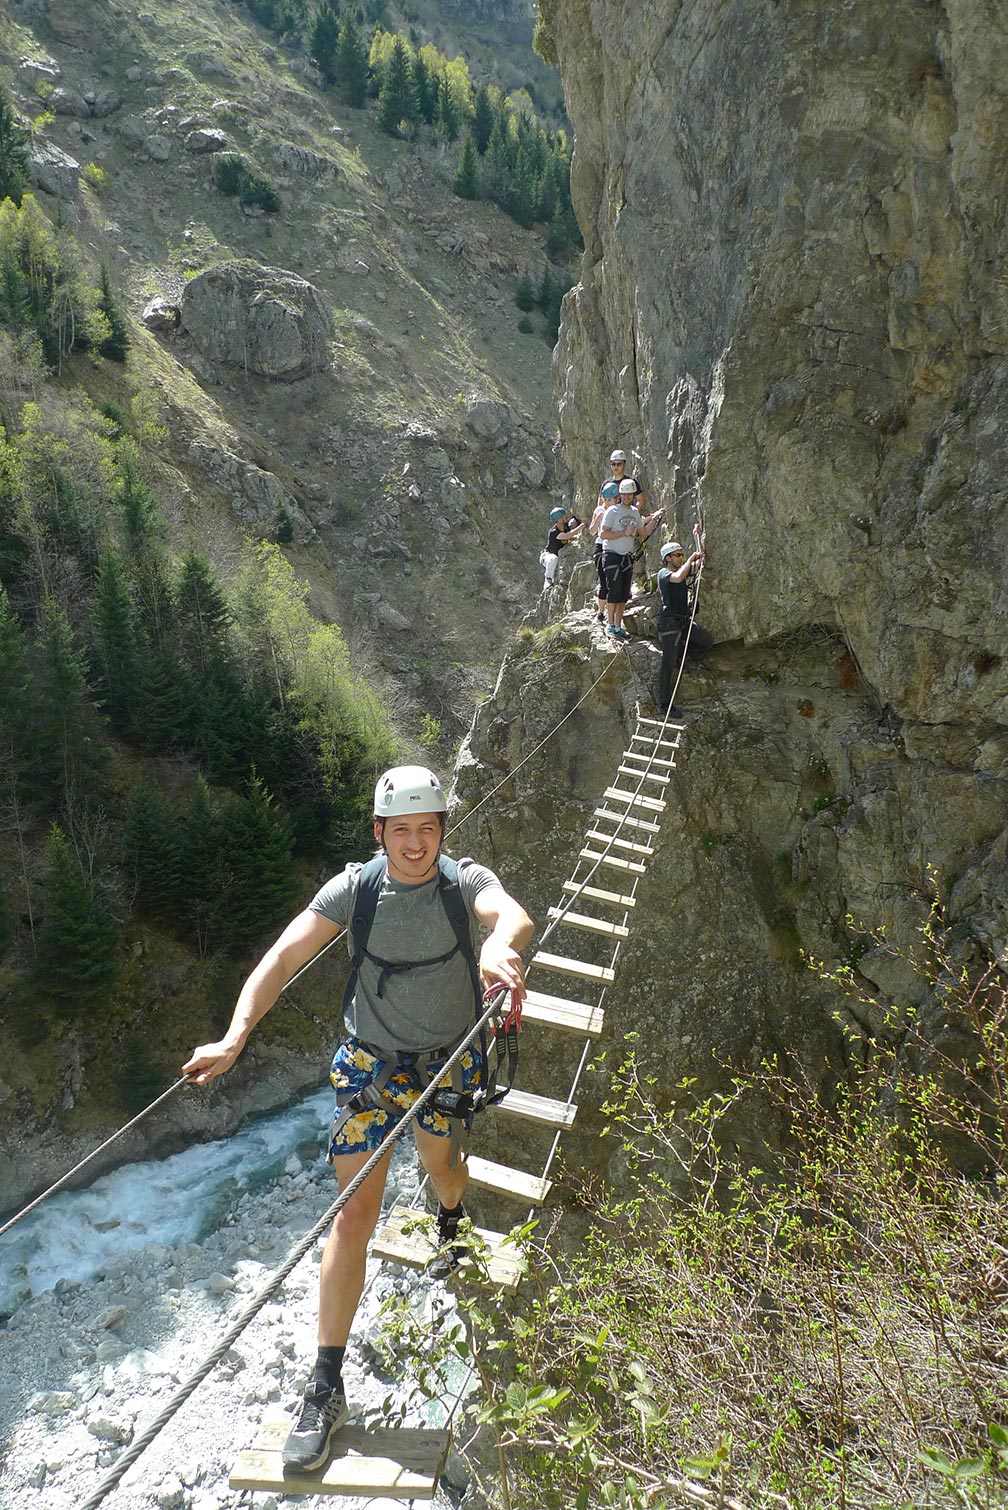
[
  {"x": 7, "y": 923},
  {"x": 139, "y": 508},
  {"x": 483, "y": 119},
  {"x": 397, "y": 101},
  {"x": 116, "y": 343},
  {"x": 544, "y": 293},
  {"x": 352, "y": 63},
  {"x": 323, "y": 40},
  {"x": 14, "y": 171},
  {"x": 13, "y": 674},
  {"x": 263, "y": 880},
  {"x": 524, "y": 293},
  {"x": 166, "y": 701},
  {"x": 75, "y": 961},
  {"x": 152, "y": 852},
  {"x": 67, "y": 756},
  {"x": 466, "y": 184},
  {"x": 447, "y": 116},
  {"x": 202, "y": 609},
  {"x": 499, "y": 160},
  {"x": 115, "y": 650},
  {"x": 425, "y": 86},
  {"x": 205, "y": 868}
]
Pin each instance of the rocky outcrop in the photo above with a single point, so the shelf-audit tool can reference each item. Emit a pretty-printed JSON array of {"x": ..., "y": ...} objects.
[
  {"x": 53, "y": 170},
  {"x": 791, "y": 309},
  {"x": 262, "y": 319}
]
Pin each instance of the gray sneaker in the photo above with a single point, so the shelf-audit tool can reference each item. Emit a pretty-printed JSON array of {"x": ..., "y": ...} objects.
[{"x": 323, "y": 1412}]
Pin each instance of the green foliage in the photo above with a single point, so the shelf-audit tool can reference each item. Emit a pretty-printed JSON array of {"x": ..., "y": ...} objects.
[
  {"x": 234, "y": 174},
  {"x": 75, "y": 962},
  {"x": 526, "y": 326},
  {"x": 230, "y": 171},
  {"x": 397, "y": 100},
  {"x": 116, "y": 343},
  {"x": 351, "y": 63},
  {"x": 141, "y": 1080},
  {"x": 262, "y": 884},
  {"x": 323, "y": 41},
  {"x": 115, "y": 647},
  {"x": 44, "y": 287},
  {"x": 483, "y": 119},
  {"x": 66, "y": 767},
  {"x": 466, "y": 183},
  {"x": 524, "y": 295},
  {"x": 14, "y": 172},
  {"x": 814, "y": 1329},
  {"x": 152, "y": 852}
]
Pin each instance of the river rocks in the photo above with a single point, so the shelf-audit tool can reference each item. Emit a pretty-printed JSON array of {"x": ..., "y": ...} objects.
[{"x": 262, "y": 319}]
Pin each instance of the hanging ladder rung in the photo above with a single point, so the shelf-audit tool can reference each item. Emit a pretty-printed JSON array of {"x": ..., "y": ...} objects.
[
  {"x": 530, "y": 1188},
  {"x": 407, "y": 1239},
  {"x": 633, "y": 866},
  {"x": 637, "y": 849},
  {"x": 649, "y": 760},
  {"x": 629, "y": 770},
  {"x": 617, "y": 898},
  {"x": 659, "y": 723},
  {"x": 591, "y": 925},
  {"x": 541, "y": 1109},
  {"x": 635, "y": 799},
  {"x": 646, "y": 739},
  {"x": 579, "y": 967},
  {"x": 367, "y": 1462},
  {"x": 566, "y": 1016},
  {"x": 626, "y": 822}
]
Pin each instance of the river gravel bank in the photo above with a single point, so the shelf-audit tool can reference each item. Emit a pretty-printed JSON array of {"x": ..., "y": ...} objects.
[{"x": 87, "y": 1364}]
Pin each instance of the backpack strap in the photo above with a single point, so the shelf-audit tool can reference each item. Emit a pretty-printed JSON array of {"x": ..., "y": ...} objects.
[{"x": 365, "y": 905}]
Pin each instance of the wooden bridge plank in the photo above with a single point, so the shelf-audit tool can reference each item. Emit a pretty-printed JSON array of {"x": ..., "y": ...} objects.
[
  {"x": 405, "y": 1238},
  {"x": 659, "y": 723},
  {"x": 636, "y": 799},
  {"x": 591, "y": 925},
  {"x": 541, "y": 1109},
  {"x": 532, "y": 1189},
  {"x": 566, "y": 1016},
  {"x": 625, "y": 821},
  {"x": 597, "y": 894},
  {"x": 579, "y": 967},
  {"x": 616, "y": 861},
  {"x": 637, "y": 849},
  {"x": 629, "y": 770},
  {"x": 401, "y": 1463},
  {"x": 649, "y": 739}
]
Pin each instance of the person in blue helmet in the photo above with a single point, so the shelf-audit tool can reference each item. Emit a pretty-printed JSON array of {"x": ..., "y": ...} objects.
[
  {"x": 564, "y": 527},
  {"x": 410, "y": 1002}
]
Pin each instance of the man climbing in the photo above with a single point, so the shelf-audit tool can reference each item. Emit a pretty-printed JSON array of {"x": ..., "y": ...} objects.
[
  {"x": 410, "y": 1002},
  {"x": 673, "y": 617},
  {"x": 564, "y": 527},
  {"x": 608, "y": 494},
  {"x": 621, "y": 528}
]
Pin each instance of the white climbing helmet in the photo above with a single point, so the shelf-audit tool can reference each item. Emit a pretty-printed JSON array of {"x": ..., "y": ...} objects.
[
  {"x": 408, "y": 789},
  {"x": 628, "y": 485},
  {"x": 670, "y": 549},
  {"x": 618, "y": 456}
]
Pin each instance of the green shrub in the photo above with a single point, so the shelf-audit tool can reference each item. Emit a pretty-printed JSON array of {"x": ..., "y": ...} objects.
[
  {"x": 526, "y": 326},
  {"x": 230, "y": 172}
]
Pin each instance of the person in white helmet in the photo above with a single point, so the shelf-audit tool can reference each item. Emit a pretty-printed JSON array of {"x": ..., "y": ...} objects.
[
  {"x": 622, "y": 530},
  {"x": 411, "y": 998},
  {"x": 673, "y": 617}
]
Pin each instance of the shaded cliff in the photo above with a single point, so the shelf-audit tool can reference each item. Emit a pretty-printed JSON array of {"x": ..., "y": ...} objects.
[{"x": 792, "y": 308}]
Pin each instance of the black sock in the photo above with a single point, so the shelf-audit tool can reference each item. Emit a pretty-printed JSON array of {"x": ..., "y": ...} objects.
[
  {"x": 328, "y": 1366},
  {"x": 448, "y": 1221}
]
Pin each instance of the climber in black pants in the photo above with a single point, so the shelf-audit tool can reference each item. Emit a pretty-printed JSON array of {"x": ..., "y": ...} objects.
[{"x": 673, "y": 617}]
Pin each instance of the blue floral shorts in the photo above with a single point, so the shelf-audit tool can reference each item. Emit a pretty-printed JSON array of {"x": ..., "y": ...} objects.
[{"x": 355, "y": 1067}]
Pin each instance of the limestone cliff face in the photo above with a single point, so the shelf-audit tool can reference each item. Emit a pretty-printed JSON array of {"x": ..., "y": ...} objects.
[{"x": 793, "y": 309}]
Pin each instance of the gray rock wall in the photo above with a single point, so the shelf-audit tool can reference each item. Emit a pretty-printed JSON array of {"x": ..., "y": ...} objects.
[{"x": 792, "y": 310}]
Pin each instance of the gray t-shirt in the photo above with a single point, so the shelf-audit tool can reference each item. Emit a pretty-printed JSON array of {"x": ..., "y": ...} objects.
[
  {"x": 618, "y": 517},
  {"x": 422, "y": 1008}
]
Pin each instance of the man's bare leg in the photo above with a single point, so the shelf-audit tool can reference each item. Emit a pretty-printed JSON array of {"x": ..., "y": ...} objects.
[
  {"x": 435, "y": 1153},
  {"x": 344, "y": 1262}
]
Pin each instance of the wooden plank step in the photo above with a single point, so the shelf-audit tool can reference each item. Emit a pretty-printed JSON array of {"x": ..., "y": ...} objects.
[
  {"x": 636, "y": 799},
  {"x": 407, "y": 1238},
  {"x": 402, "y": 1463},
  {"x": 532, "y": 1189},
  {"x": 541, "y": 1109},
  {"x": 650, "y": 739},
  {"x": 634, "y": 866},
  {"x": 566, "y": 1016},
  {"x": 637, "y": 849},
  {"x": 649, "y": 760},
  {"x": 623, "y": 820},
  {"x": 579, "y": 967},
  {"x": 659, "y": 723},
  {"x": 629, "y": 770},
  {"x": 618, "y": 898},
  {"x": 591, "y": 925}
]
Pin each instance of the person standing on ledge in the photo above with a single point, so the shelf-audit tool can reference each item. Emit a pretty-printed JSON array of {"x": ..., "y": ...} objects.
[
  {"x": 564, "y": 527},
  {"x": 412, "y": 997},
  {"x": 673, "y": 617}
]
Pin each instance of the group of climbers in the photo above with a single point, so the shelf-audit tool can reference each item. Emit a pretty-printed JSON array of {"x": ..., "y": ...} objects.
[{"x": 621, "y": 530}]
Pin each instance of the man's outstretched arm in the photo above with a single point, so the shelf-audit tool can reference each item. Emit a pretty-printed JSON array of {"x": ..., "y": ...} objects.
[{"x": 510, "y": 930}]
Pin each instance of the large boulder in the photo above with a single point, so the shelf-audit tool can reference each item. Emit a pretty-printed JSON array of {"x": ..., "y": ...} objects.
[
  {"x": 263, "y": 319},
  {"x": 53, "y": 170}
]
